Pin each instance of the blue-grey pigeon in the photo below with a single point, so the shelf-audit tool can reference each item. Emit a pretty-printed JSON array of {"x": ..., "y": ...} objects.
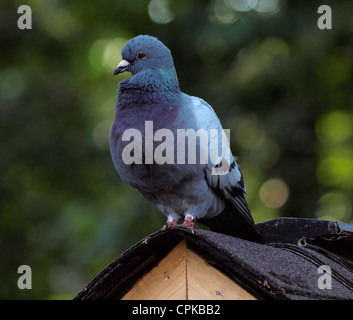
[{"x": 151, "y": 114}]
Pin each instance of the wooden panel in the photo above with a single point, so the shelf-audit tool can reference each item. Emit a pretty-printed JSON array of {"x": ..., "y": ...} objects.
[
  {"x": 183, "y": 275},
  {"x": 166, "y": 281},
  {"x": 204, "y": 282}
]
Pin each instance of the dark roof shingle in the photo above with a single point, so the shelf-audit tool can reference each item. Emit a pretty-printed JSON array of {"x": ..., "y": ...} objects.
[{"x": 281, "y": 268}]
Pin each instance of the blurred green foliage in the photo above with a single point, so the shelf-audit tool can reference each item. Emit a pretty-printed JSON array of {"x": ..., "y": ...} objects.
[{"x": 279, "y": 83}]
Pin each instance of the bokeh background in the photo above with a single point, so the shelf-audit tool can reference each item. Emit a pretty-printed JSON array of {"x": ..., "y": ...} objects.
[{"x": 279, "y": 83}]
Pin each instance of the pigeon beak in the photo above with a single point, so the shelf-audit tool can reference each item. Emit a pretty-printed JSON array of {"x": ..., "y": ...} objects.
[{"x": 121, "y": 67}]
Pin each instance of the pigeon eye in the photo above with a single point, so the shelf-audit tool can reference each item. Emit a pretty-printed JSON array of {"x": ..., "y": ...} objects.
[{"x": 141, "y": 56}]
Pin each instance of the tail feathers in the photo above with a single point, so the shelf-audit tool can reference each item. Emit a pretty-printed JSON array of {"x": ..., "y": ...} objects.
[
  {"x": 232, "y": 222},
  {"x": 237, "y": 199}
]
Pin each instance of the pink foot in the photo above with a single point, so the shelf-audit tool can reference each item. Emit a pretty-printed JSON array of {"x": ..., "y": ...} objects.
[
  {"x": 169, "y": 224},
  {"x": 188, "y": 222}
]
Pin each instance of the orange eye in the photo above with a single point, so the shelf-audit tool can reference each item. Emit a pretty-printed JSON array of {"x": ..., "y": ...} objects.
[{"x": 141, "y": 56}]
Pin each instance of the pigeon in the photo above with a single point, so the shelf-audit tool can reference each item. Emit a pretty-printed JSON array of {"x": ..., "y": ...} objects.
[{"x": 151, "y": 113}]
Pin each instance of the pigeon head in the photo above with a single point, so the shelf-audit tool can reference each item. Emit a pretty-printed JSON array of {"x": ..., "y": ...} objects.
[{"x": 144, "y": 53}]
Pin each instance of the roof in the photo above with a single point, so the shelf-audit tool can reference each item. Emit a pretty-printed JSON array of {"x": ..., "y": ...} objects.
[{"x": 286, "y": 266}]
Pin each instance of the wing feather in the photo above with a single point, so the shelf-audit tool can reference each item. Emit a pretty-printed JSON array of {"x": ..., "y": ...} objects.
[{"x": 229, "y": 183}]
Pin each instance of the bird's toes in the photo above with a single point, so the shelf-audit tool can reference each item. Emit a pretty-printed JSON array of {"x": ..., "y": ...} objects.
[
  {"x": 169, "y": 224},
  {"x": 189, "y": 222}
]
